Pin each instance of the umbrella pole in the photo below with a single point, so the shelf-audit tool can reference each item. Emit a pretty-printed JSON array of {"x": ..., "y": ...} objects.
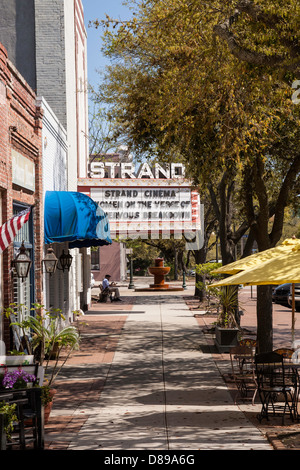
[{"x": 293, "y": 312}]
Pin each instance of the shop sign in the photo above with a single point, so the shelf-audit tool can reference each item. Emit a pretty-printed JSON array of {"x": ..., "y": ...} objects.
[
  {"x": 146, "y": 201},
  {"x": 23, "y": 171},
  {"x": 129, "y": 170}
]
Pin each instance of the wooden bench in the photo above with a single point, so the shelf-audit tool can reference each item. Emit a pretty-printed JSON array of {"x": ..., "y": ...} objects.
[{"x": 104, "y": 294}]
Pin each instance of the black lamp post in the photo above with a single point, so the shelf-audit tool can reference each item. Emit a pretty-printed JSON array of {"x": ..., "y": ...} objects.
[
  {"x": 22, "y": 263},
  {"x": 183, "y": 279},
  {"x": 50, "y": 261},
  {"x": 131, "y": 283},
  {"x": 129, "y": 252}
]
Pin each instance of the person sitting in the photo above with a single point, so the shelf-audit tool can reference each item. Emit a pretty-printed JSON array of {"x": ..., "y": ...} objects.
[{"x": 111, "y": 287}]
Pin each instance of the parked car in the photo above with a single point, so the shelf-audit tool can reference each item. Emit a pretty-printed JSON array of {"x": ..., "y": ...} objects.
[
  {"x": 297, "y": 297},
  {"x": 280, "y": 294},
  {"x": 92, "y": 280},
  {"x": 191, "y": 272}
]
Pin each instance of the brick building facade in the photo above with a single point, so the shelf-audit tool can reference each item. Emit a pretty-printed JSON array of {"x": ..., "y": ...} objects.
[
  {"x": 20, "y": 184},
  {"x": 46, "y": 42}
]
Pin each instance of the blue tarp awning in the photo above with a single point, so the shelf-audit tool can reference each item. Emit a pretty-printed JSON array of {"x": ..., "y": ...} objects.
[{"x": 75, "y": 218}]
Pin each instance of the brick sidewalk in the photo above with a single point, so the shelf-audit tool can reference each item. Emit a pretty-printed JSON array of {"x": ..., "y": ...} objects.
[
  {"x": 272, "y": 429},
  {"x": 100, "y": 348},
  {"x": 96, "y": 348}
]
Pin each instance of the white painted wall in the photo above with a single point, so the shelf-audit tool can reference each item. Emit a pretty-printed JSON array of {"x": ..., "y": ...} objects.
[
  {"x": 70, "y": 67},
  {"x": 65, "y": 150},
  {"x": 77, "y": 127},
  {"x": 81, "y": 89},
  {"x": 55, "y": 150}
]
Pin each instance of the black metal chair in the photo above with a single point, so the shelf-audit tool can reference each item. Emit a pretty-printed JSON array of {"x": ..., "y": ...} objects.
[
  {"x": 30, "y": 421},
  {"x": 243, "y": 372},
  {"x": 277, "y": 385},
  {"x": 250, "y": 343},
  {"x": 286, "y": 353}
]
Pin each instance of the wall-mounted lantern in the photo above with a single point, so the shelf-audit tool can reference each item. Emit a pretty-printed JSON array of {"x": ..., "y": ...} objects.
[
  {"x": 65, "y": 260},
  {"x": 22, "y": 263},
  {"x": 50, "y": 261}
]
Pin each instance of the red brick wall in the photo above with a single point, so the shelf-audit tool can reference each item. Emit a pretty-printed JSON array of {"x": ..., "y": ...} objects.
[{"x": 20, "y": 129}]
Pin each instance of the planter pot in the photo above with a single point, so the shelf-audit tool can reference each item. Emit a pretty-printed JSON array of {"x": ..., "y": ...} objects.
[
  {"x": 48, "y": 407},
  {"x": 226, "y": 338},
  {"x": 16, "y": 360}
]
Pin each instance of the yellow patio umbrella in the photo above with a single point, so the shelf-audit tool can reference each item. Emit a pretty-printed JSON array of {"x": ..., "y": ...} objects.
[
  {"x": 258, "y": 258},
  {"x": 284, "y": 268}
]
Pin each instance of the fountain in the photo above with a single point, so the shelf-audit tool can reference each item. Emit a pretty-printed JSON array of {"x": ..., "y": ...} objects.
[{"x": 159, "y": 272}]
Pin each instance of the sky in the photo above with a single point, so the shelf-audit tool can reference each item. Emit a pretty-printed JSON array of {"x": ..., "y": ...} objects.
[{"x": 96, "y": 9}]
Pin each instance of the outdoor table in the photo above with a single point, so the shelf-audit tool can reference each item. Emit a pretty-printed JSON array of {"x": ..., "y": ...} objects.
[{"x": 278, "y": 385}]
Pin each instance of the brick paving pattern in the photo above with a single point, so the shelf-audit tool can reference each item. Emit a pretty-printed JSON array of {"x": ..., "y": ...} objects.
[{"x": 100, "y": 336}]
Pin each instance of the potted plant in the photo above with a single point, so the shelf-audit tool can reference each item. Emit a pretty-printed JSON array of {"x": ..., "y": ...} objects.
[
  {"x": 227, "y": 328},
  {"x": 24, "y": 354},
  {"x": 7, "y": 419}
]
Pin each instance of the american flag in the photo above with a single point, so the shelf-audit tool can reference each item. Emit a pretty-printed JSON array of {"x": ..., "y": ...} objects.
[{"x": 9, "y": 230}]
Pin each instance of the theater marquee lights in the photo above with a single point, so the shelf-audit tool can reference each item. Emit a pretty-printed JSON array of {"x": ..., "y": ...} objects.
[
  {"x": 128, "y": 170},
  {"x": 147, "y": 202}
]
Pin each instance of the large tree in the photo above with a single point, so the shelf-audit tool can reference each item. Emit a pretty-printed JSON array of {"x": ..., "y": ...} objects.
[{"x": 211, "y": 82}]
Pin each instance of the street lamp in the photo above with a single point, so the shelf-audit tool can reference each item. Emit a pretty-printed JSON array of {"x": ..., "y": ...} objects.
[
  {"x": 183, "y": 279},
  {"x": 129, "y": 251},
  {"x": 22, "y": 263},
  {"x": 50, "y": 261}
]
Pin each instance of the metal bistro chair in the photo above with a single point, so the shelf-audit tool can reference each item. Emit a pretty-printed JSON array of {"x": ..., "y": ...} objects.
[
  {"x": 250, "y": 343},
  {"x": 277, "y": 386},
  {"x": 286, "y": 353},
  {"x": 243, "y": 371},
  {"x": 30, "y": 415}
]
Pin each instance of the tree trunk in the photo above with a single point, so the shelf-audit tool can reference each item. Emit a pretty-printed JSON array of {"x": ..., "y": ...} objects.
[
  {"x": 200, "y": 258},
  {"x": 222, "y": 203},
  {"x": 264, "y": 319},
  {"x": 254, "y": 191}
]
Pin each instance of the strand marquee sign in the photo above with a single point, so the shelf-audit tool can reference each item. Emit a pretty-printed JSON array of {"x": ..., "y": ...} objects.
[{"x": 148, "y": 202}]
